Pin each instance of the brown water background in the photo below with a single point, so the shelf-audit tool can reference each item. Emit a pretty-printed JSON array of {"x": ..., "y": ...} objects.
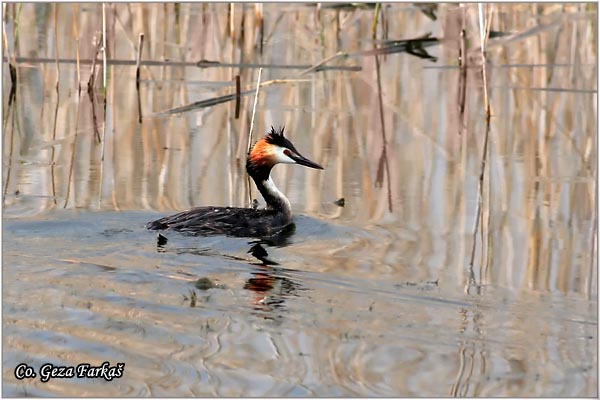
[{"x": 375, "y": 298}]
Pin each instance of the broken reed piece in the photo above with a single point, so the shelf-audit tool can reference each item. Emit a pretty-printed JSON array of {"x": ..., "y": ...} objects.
[
  {"x": 238, "y": 96},
  {"x": 137, "y": 75}
]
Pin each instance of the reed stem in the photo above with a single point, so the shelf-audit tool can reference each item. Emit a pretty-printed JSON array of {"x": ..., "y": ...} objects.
[
  {"x": 104, "y": 108},
  {"x": 137, "y": 75},
  {"x": 251, "y": 128},
  {"x": 53, "y": 149},
  {"x": 483, "y": 30}
]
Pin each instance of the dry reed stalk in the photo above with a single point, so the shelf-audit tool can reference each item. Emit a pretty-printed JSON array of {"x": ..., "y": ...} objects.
[
  {"x": 104, "y": 108},
  {"x": 337, "y": 30},
  {"x": 594, "y": 244},
  {"x": 242, "y": 30},
  {"x": 198, "y": 64},
  {"x": 53, "y": 150},
  {"x": 70, "y": 178},
  {"x": 12, "y": 96},
  {"x": 484, "y": 268},
  {"x": 90, "y": 91},
  {"x": 137, "y": 75},
  {"x": 322, "y": 62},
  {"x": 344, "y": 125},
  {"x": 112, "y": 92},
  {"x": 252, "y": 128},
  {"x": 12, "y": 70},
  {"x": 462, "y": 78},
  {"x": 104, "y": 48},
  {"x": 275, "y": 25},
  {"x": 260, "y": 22},
  {"x": 461, "y": 370},
  {"x": 10, "y": 156},
  {"x": 383, "y": 160},
  {"x": 177, "y": 10},
  {"x": 231, "y": 21},
  {"x": 12, "y": 137},
  {"x": 484, "y": 34},
  {"x": 238, "y": 97},
  {"x": 71, "y": 168},
  {"x": 321, "y": 29}
]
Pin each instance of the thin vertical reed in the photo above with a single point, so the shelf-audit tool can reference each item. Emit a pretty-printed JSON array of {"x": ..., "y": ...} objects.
[
  {"x": 383, "y": 160},
  {"x": 115, "y": 146},
  {"x": 137, "y": 75},
  {"x": 231, "y": 21},
  {"x": 259, "y": 20},
  {"x": 12, "y": 98},
  {"x": 90, "y": 91},
  {"x": 483, "y": 37},
  {"x": 252, "y": 128},
  {"x": 461, "y": 370},
  {"x": 104, "y": 108},
  {"x": 53, "y": 149},
  {"x": 104, "y": 47},
  {"x": 242, "y": 30},
  {"x": 238, "y": 97},
  {"x": 594, "y": 244},
  {"x": 10, "y": 158},
  {"x": 74, "y": 146},
  {"x": 13, "y": 74},
  {"x": 462, "y": 78}
]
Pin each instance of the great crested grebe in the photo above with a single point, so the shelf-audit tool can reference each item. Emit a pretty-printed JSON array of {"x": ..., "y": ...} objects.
[{"x": 272, "y": 149}]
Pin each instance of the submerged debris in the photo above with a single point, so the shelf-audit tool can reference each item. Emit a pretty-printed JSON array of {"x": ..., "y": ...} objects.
[
  {"x": 192, "y": 299},
  {"x": 427, "y": 285},
  {"x": 206, "y": 283},
  {"x": 115, "y": 231},
  {"x": 341, "y": 202}
]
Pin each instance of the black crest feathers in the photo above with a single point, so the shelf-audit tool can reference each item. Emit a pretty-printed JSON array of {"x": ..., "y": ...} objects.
[{"x": 276, "y": 137}]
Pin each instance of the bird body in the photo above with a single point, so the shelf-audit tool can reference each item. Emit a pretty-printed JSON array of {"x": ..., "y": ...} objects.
[{"x": 273, "y": 149}]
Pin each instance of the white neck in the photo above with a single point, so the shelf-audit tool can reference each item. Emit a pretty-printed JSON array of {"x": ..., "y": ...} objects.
[{"x": 274, "y": 198}]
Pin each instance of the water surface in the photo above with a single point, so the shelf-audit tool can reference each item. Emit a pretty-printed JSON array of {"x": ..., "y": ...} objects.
[{"x": 375, "y": 298}]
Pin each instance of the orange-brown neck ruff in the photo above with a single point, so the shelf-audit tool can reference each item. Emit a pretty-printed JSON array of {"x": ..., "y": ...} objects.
[
  {"x": 259, "y": 164},
  {"x": 262, "y": 155}
]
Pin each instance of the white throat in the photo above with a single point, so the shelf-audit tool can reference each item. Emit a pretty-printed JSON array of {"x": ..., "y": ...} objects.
[{"x": 273, "y": 191}]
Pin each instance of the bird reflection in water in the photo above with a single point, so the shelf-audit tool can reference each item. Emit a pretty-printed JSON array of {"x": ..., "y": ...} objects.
[
  {"x": 268, "y": 281},
  {"x": 270, "y": 287}
]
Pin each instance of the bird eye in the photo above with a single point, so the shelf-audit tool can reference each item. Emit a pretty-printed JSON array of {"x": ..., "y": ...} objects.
[{"x": 287, "y": 152}]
